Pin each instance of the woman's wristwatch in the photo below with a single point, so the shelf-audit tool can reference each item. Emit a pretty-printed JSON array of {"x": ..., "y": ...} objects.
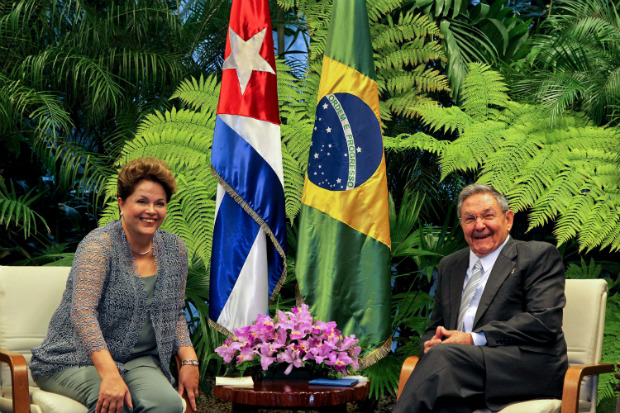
[{"x": 189, "y": 362}]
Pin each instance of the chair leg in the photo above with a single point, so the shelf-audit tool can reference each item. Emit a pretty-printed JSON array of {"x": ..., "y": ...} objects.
[{"x": 19, "y": 380}]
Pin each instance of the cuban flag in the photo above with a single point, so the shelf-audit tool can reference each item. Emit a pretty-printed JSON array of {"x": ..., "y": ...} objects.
[{"x": 248, "y": 254}]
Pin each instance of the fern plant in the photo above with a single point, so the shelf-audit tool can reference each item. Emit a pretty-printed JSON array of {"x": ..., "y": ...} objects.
[
  {"x": 183, "y": 139},
  {"x": 489, "y": 33},
  {"x": 573, "y": 64},
  {"x": 15, "y": 210},
  {"x": 567, "y": 174}
]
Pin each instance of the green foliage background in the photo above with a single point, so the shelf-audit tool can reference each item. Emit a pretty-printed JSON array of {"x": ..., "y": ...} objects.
[{"x": 522, "y": 95}]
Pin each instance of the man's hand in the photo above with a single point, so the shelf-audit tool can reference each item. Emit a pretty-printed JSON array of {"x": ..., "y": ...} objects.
[
  {"x": 456, "y": 337},
  {"x": 436, "y": 339},
  {"x": 442, "y": 335}
]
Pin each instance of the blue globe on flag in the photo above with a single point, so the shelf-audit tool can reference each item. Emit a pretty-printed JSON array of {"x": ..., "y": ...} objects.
[{"x": 346, "y": 146}]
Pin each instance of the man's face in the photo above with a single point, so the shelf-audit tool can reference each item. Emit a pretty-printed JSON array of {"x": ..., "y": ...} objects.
[{"x": 484, "y": 225}]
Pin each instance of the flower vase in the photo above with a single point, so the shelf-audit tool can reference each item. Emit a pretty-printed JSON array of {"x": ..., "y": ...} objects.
[
  {"x": 302, "y": 373},
  {"x": 256, "y": 373}
]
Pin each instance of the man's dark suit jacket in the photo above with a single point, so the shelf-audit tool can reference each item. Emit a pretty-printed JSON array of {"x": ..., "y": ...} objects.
[{"x": 522, "y": 305}]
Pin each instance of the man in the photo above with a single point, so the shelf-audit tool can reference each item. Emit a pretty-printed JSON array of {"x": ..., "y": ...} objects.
[{"x": 495, "y": 334}]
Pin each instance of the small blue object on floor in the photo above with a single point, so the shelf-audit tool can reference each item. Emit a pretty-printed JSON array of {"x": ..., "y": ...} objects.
[{"x": 334, "y": 382}]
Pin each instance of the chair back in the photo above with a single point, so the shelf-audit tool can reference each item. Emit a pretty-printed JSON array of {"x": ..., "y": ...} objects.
[
  {"x": 584, "y": 322},
  {"x": 28, "y": 298}
]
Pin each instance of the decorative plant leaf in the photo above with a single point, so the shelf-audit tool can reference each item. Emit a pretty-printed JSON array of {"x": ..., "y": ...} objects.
[{"x": 568, "y": 174}]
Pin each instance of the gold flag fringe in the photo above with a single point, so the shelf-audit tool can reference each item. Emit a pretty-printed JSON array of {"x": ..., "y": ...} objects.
[
  {"x": 220, "y": 328},
  {"x": 377, "y": 354},
  {"x": 372, "y": 357}
]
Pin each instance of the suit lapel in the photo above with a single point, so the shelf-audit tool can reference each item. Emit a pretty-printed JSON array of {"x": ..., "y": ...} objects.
[
  {"x": 457, "y": 279},
  {"x": 503, "y": 267}
]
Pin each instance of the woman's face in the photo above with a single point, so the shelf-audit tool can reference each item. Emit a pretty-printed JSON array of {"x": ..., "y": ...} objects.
[{"x": 144, "y": 210}]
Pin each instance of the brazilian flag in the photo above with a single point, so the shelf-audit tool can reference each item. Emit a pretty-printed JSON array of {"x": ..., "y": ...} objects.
[{"x": 343, "y": 256}]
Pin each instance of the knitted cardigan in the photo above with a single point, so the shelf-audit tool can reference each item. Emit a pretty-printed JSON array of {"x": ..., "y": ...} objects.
[{"x": 104, "y": 304}]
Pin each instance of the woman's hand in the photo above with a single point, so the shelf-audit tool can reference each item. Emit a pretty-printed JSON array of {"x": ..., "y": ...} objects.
[
  {"x": 113, "y": 391},
  {"x": 188, "y": 383},
  {"x": 112, "y": 394}
]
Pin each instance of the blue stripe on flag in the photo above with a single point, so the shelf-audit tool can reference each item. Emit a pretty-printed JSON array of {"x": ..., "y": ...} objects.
[
  {"x": 235, "y": 232},
  {"x": 244, "y": 170}
]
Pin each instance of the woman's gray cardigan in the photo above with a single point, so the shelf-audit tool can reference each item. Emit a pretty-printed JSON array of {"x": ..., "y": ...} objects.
[{"x": 104, "y": 304}]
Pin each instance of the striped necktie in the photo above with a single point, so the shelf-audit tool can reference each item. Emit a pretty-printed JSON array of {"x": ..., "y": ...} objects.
[{"x": 468, "y": 293}]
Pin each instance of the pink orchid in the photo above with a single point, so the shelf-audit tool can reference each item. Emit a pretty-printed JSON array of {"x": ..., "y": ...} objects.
[
  {"x": 339, "y": 361},
  {"x": 266, "y": 355},
  {"x": 320, "y": 352},
  {"x": 243, "y": 334},
  {"x": 226, "y": 352},
  {"x": 290, "y": 356},
  {"x": 321, "y": 327},
  {"x": 264, "y": 329},
  {"x": 245, "y": 354},
  {"x": 294, "y": 339},
  {"x": 347, "y": 342},
  {"x": 284, "y": 322}
]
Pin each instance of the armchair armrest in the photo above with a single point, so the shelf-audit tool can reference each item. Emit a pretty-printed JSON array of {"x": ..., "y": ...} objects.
[
  {"x": 188, "y": 409},
  {"x": 19, "y": 380},
  {"x": 572, "y": 383},
  {"x": 405, "y": 372}
]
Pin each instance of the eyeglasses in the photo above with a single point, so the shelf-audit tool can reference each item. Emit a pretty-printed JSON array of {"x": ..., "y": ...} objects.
[{"x": 469, "y": 219}]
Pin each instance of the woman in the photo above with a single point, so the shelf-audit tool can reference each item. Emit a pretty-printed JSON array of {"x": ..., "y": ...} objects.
[{"x": 121, "y": 318}]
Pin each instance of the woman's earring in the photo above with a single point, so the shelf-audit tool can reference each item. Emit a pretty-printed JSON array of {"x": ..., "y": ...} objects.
[{"x": 121, "y": 213}]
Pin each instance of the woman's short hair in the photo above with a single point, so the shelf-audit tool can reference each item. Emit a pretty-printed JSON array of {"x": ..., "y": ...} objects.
[
  {"x": 150, "y": 169},
  {"x": 474, "y": 189}
]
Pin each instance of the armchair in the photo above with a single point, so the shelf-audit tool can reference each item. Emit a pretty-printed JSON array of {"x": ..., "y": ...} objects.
[
  {"x": 28, "y": 298},
  {"x": 618, "y": 388},
  {"x": 584, "y": 320}
]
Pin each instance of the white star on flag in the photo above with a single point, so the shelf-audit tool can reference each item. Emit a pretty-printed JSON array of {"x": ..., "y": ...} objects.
[
  {"x": 359, "y": 149},
  {"x": 245, "y": 57},
  {"x": 328, "y": 130},
  {"x": 316, "y": 156},
  {"x": 324, "y": 105}
]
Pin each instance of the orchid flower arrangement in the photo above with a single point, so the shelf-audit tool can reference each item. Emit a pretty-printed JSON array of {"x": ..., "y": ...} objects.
[{"x": 295, "y": 339}]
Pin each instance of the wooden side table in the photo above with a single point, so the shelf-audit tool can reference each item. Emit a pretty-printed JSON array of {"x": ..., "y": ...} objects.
[{"x": 291, "y": 394}]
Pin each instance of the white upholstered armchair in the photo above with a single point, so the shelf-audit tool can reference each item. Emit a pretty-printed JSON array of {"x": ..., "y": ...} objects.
[
  {"x": 584, "y": 320},
  {"x": 28, "y": 298}
]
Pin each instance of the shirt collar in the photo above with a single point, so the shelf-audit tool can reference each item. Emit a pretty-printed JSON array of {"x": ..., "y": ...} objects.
[{"x": 487, "y": 261}]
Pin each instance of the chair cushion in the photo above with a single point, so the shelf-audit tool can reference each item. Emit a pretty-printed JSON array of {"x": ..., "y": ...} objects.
[
  {"x": 584, "y": 308},
  {"x": 55, "y": 403},
  {"x": 584, "y": 318},
  {"x": 530, "y": 406},
  {"x": 6, "y": 406},
  {"x": 42, "y": 402},
  {"x": 28, "y": 298}
]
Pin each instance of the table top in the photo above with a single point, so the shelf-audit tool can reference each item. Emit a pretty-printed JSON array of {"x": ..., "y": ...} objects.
[{"x": 291, "y": 393}]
